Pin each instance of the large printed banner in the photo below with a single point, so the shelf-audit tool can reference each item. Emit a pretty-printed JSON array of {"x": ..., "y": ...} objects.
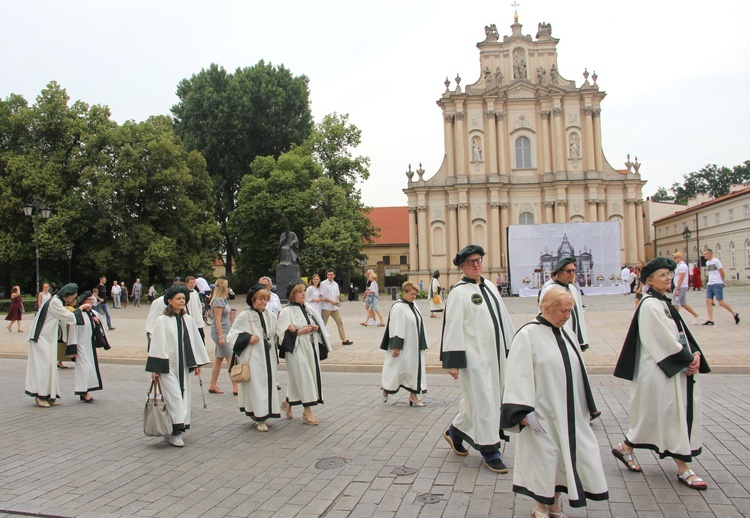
[{"x": 534, "y": 249}]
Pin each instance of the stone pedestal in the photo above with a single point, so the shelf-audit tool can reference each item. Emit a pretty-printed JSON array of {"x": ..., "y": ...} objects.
[{"x": 285, "y": 274}]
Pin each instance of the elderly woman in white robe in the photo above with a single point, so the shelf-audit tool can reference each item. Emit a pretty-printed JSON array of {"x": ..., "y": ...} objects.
[
  {"x": 549, "y": 403},
  {"x": 663, "y": 360},
  {"x": 83, "y": 340},
  {"x": 42, "y": 382},
  {"x": 304, "y": 346},
  {"x": 253, "y": 340},
  {"x": 404, "y": 343},
  {"x": 176, "y": 351}
]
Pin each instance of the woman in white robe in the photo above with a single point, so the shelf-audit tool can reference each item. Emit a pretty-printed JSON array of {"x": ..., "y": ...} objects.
[
  {"x": 81, "y": 343},
  {"x": 436, "y": 294},
  {"x": 253, "y": 340},
  {"x": 314, "y": 298},
  {"x": 404, "y": 343},
  {"x": 42, "y": 380},
  {"x": 176, "y": 351},
  {"x": 303, "y": 345},
  {"x": 663, "y": 360},
  {"x": 549, "y": 403}
]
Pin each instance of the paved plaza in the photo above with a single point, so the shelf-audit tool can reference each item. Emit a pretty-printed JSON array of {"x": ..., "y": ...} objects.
[{"x": 366, "y": 458}]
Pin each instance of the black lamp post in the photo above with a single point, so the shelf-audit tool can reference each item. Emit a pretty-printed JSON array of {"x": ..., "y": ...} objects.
[
  {"x": 69, "y": 253},
  {"x": 34, "y": 208},
  {"x": 686, "y": 234}
]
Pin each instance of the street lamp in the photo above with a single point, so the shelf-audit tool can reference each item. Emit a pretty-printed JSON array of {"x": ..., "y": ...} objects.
[
  {"x": 69, "y": 252},
  {"x": 686, "y": 234},
  {"x": 34, "y": 207}
]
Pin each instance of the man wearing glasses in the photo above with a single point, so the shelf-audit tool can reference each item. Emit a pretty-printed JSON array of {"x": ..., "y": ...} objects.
[
  {"x": 564, "y": 274},
  {"x": 477, "y": 333}
]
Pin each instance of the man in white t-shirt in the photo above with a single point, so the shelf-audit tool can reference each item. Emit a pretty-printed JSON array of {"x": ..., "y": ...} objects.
[
  {"x": 715, "y": 288},
  {"x": 625, "y": 276},
  {"x": 681, "y": 285},
  {"x": 329, "y": 291}
]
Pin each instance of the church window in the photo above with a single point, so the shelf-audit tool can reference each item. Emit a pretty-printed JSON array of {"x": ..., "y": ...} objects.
[
  {"x": 526, "y": 218},
  {"x": 523, "y": 153}
]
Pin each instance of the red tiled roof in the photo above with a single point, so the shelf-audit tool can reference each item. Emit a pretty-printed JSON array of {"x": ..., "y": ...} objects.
[
  {"x": 705, "y": 204},
  {"x": 393, "y": 223}
]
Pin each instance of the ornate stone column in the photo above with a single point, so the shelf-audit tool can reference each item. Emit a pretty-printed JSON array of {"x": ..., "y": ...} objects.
[
  {"x": 598, "y": 153},
  {"x": 640, "y": 238},
  {"x": 546, "y": 143},
  {"x": 460, "y": 137},
  {"x": 502, "y": 144},
  {"x": 424, "y": 230},
  {"x": 450, "y": 158},
  {"x": 413, "y": 236},
  {"x": 494, "y": 238},
  {"x": 587, "y": 143},
  {"x": 558, "y": 163},
  {"x": 601, "y": 211},
  {"x": 592, "y": 211},
  {"x": 549, "y": 214},
  {"x": 452, "y": 233},
  {"x": 490, "y": 152},
  {"x": 630, "y": 231},
  {"x": 463, "y": 224},
  {"x": 504, "y": 222},
  {"x": 561, "y": 216}
]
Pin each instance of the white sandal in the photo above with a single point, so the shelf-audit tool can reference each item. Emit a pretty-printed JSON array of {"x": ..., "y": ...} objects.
[{"x": 695, "y": 484}]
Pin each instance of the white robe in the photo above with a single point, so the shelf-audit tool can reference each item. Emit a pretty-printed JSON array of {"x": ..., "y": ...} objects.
[
  {"x": 625, "y": 277},
  {"x": 660, "y": 405},
  {"x": 576, "y": 324},
  {"x": 407, "y": 370},
  {"x": 194, "y": 308},
  {"x": 41, "y": 368},
  {"x": 164, "y": 358},
  {"x": 258, "y": 397},
  {"x": 303, "y": 365},
  {"x": 475, "y": 339},
  {"x": 549, "y": 379},
  {"x": 434, "y": 288},
  {"x": 87, "y": 377},
  {"x": 154, "y": 312}
]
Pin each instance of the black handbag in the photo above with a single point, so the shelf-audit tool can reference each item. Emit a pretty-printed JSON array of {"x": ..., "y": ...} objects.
[{"x": 100, "y": 339}]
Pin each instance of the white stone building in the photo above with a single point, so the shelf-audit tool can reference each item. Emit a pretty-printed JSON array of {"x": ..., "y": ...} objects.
[{"x": 523, "y": 145}]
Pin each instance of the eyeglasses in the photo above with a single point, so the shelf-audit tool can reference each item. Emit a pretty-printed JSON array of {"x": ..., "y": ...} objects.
[
  {"x": 664, "y": 276},
  {"x": 569, "y": 270},
  {"x": 472, "y": 262}
]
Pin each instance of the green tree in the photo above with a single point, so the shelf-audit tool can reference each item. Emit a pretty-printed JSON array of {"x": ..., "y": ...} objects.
[
  {"x": 234, "y": 118},
  {"x": 662, "y": 194},
  {"x": 711, "y": 179}
]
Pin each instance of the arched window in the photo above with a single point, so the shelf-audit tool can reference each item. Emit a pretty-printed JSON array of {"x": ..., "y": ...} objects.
[
  {"x": 526, "y": 218},
  {"x": 523, "y": 153},
  {"x": 732, "y": 258}
]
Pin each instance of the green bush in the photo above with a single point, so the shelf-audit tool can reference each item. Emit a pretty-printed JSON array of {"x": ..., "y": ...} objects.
[{"x": 29, "y": 304}]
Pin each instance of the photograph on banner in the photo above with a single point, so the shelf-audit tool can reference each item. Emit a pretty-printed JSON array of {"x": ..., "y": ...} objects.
[{"x": 533, "y": 251}]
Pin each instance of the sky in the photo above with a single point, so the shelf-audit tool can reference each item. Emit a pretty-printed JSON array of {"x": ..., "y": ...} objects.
[{"x": 676, "y": 73}]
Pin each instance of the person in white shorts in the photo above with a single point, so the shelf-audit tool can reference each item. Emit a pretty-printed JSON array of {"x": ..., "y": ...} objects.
[{"x": 681, "y": 286}]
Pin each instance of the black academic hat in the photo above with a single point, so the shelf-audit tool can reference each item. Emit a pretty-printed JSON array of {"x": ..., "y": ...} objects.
[
  {"x": 562, "y": 263},
  {"x": 174, "y": 290},
  {"x": 82, "y": 297},
  {"x": 255, "y": 289},
  {"x": 657, "y": 264},
  {"x": 466, "y": 252},
  {"x": 291, "y": 285}
]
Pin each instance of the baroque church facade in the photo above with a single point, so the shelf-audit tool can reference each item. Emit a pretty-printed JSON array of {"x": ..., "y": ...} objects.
[{"x": 522, "y": 146}]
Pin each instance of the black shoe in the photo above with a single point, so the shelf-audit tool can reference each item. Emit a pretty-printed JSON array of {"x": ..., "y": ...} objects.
[
  {"x": 110, "y": 328},
  {"x": 709, "y": 323},
  {"x": 458, "y": 449},
  {"x": 89, "y": 400},
  {"x": 736, "y": 318},
  {"x": 496, "y": 466}
]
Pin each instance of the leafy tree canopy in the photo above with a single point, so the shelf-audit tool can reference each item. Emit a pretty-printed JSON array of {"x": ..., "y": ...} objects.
[
  {"x": 232, "y": 119},
  {"x": 711, "y": 179}
]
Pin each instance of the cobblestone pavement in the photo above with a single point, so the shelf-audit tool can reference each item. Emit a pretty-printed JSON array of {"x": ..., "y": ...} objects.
[
  {"x": 607, "y": 318},
  {"x": 94, "y": 461}
]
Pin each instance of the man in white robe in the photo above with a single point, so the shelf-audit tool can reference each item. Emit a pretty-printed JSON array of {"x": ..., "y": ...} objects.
[
  {"x": 42, "y": 381},
  {"x": 625, "y": 278},
  {"x": 477, "y": 332},
  {"x": 564, "y": 274},
  {"x": 194, "y": 307},
  {"x": 176, "y": 351}
]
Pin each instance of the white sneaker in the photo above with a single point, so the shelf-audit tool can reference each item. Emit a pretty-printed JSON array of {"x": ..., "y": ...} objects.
[
  {"x": 176, "y": 440},
  {"x": 697, "y": 320},
  {"x": 262, "y": 427}
]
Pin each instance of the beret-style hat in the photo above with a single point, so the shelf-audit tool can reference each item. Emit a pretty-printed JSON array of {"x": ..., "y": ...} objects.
[
  {"x": 562, "y": 263},
  {"x": 174, "y": 290},
  {"x": 657, "y": 264},
  {"x": 466, "y": 252},
  {"x": 252, "y": 291}
]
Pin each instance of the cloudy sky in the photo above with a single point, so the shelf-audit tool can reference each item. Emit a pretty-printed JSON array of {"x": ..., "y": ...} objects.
[{"x": 675, "y": 73}]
